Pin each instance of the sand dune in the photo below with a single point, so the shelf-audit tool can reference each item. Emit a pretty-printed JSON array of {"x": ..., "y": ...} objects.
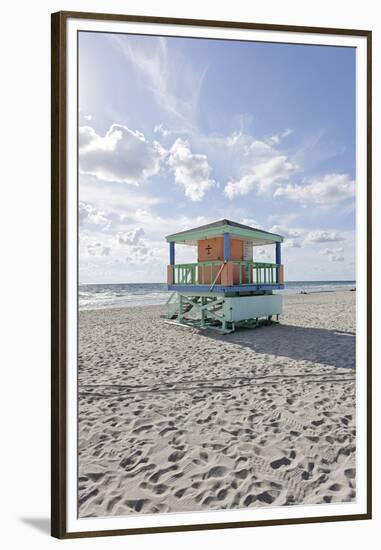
[{"x": 171, "y": 419}]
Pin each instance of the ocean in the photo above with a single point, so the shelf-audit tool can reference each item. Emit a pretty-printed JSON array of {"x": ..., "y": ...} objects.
[{"x": 104, "y": 296}]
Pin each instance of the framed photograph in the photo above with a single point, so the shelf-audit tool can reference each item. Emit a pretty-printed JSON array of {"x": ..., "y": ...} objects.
[{"x": 211, "y": 274}]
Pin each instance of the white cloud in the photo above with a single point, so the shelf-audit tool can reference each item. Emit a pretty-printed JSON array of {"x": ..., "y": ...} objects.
[
  {"x": 262, "y": 177},
  {"x": 97, "y": 249},
  {"x": 139, "y": 254},
  {"x": 192, "y": 171},
  {"x": 276, "y": 138},
  {"x": 320, "y": 236},
  {"x": 118, "y": 198},
  {"x": 157, "y": 227},
  {"x": 330, "y": 251},
  {"x": 291, "y": 235},
  {"x": 89, "y": 215},
  {"x": 247, "y": 147},
  {"x": 251, "y": 163},
  {"x": 121, "y": 155},
  {"x": 335, "y": 254},
  {"x": 251, "y": 223},
  {"x": 160, "y": 70},
  {"x": 131, "y": 237},
  {"x": 297, "y": 237},
  {"x": 292, "y": 243},
  {"x": 326, "y": 191},
  {"x": 160, "y": 129},
  {"x": 262, "y": 254},
  {"x": 287, "y": 232},
  {"x": 131, "y": 246}
]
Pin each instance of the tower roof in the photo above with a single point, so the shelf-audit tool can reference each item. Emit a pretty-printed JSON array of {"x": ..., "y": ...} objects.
[{"x": 218, "y": 228}]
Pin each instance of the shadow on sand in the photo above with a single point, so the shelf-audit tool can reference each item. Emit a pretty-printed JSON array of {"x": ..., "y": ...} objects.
[{"x": 328, "y": 347}]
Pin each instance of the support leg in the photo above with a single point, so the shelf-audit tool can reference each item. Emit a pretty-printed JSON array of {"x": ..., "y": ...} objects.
[
  {"x": 203, "y": 313},
  {"x": 180, "y": 308}
]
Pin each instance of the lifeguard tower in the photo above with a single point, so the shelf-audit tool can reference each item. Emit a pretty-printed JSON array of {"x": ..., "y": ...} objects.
[{"x": 225, "y": 287}]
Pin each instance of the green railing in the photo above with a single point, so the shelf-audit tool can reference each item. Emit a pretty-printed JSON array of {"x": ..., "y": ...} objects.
[
  {"x": 258, "y": 273},
  {"x": 190, "y": 274},
  {"x": 246, "y": 272}
]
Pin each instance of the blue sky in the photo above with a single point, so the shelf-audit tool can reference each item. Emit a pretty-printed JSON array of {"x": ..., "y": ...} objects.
[{"x": 177, "y": 132}]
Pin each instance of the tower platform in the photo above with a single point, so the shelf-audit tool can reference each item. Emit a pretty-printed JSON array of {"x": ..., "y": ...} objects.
[{"x": 225, "y": 287}]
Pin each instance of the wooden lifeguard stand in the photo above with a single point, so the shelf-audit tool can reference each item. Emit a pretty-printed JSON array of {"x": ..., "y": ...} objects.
[{"x": 225, "y": 287}]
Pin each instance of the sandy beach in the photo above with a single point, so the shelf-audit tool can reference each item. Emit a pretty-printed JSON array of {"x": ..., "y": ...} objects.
[{"x": 172, "y": 419}]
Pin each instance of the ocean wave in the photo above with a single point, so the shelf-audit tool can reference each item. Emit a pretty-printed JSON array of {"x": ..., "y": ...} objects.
[{"x": 101, "y": 296}]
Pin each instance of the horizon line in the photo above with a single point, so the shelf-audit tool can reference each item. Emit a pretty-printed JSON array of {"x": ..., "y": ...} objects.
[{"x": 164, "y": 282}]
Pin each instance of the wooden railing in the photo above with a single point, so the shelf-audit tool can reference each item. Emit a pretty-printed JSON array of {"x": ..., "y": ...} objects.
[{"x": 245, "y": 273}]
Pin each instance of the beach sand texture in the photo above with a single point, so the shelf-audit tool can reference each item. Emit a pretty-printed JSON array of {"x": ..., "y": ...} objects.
[{"x": 173, "y": 420}]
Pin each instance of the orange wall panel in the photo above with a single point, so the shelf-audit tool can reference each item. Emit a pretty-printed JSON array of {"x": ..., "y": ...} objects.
[
  {"x": 227, "y": 274},
  {"x": 170, "y": 275},
  {"x": 236, "y": 249},
  {"x": 210, "y": 250}
]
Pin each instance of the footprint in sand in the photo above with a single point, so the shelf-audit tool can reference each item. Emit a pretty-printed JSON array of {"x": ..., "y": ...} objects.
[
  {"x": 350, "y": 473},
  {"x": 216, "y": 471},
  {"x": 284, "y": 461},
  {"x": 176, "y": 456}
]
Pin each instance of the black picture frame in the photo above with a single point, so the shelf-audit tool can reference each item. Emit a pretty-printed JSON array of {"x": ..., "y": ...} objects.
[{"x": 59, "y": 270}]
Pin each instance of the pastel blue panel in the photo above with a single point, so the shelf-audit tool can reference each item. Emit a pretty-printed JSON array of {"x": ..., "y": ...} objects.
[
  {"x": 172, "y": 253},
  {"x": 278, "y": 256},
  {"x": 226, "y": 246},
  {"x": 251, "y": 307}
]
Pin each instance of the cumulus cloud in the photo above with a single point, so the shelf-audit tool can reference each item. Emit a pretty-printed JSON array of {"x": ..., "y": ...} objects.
[
  {"x": 330, "y": 251},
  {"x": 254, "y": 163},
  {"x": 326, "y": 191},
  {"x": 287, "y": 232},
  {"x": 131, "y": 237},
  {"x": 89, "y": 215},
  {"x": 139, "y": 254},
  {"x": 263, "y": 176},
  {"x": 192, "y": 171},
  {"x": 334, "y": 254},
  {"x": 320, "y": 236},
  {"x": 251, "y": 223},
  {"x": 121, "y": 155},
  {"x": 97, "y": 249},
  {"x": 296, "y": 237},
  {"x": 292, "y": 243},
  {"x": 133, "y": 247},
  {"x": 292, "y": 236},
  {"x": 262, "y": 254}
]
